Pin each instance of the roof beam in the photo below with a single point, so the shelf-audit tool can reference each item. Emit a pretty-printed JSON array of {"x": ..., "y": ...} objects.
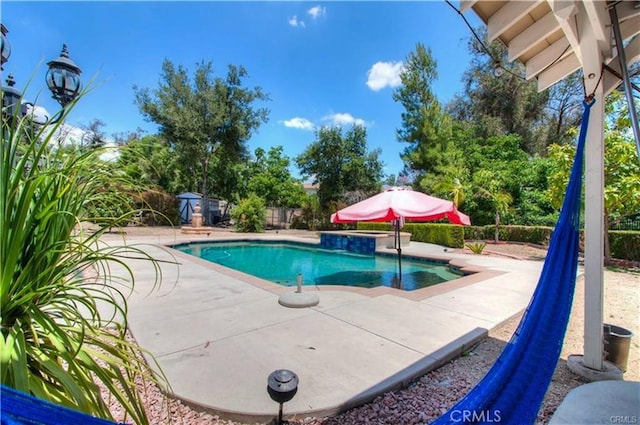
[
  {"x": 507, "y": 16},
  {"x": 539, "y": 62},
  {"x": 565, "y": 12},
  {"x": 598, "y": 16},
  {"x": 627, "y": 10},
  {"x": 466, "y": 5},
  {"x": 630, "y": 27},
  {"x": 632, "y": 54},
  {"x": 528, "y": 38},
  {"x": 558, "y": 71}
]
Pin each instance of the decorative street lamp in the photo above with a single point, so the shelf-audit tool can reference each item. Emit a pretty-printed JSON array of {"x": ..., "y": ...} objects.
[
  {"x": 5, "y": 47},
  {"x": 63, "y": 79},
  {"x": 11, "y": 98}
]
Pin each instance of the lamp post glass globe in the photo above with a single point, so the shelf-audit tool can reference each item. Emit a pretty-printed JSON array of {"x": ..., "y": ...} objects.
[
  {"x": 5, "y": 47},
  {"x": 63, "y": 78}
]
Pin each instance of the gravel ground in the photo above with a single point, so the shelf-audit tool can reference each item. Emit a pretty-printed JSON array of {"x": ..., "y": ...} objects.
[{"x": 435, "y": 392}]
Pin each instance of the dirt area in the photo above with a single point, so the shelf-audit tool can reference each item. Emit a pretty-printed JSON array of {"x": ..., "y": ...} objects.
[{"x": 434, "y": 393}]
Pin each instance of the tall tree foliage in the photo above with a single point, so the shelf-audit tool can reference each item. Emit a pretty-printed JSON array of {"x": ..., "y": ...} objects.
[
  {"x": 205, "y": 117},
  {"x": 621, "y": 167},
  {"x": 341, "y": 164},
  {"x": 497, "y": 99},
  {"x": 425, "y": 127},
  {"x": 149, "y": 161},
  {"x": 93, "y": 136},
  {"x": 268, "y": 176}
]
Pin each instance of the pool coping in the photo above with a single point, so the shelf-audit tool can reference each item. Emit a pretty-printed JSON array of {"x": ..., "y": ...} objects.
[{"x": 471, "y": 273}]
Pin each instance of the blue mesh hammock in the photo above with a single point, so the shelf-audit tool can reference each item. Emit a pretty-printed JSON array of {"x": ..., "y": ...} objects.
[
  {"x": 513, "y": 389},
  {"x": 19, "y": 408}
]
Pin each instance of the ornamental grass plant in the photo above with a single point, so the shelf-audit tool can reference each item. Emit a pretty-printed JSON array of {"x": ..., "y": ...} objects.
[{"x": 55, "y": 279}]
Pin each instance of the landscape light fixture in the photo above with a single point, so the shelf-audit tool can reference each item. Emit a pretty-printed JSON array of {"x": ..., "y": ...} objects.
[
  {"x": 63, "y": 80},
  {"x": 282, "y": 385}
]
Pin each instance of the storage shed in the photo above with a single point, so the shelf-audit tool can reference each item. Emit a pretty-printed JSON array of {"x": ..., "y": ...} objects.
[{"x": 188, "y": 201}]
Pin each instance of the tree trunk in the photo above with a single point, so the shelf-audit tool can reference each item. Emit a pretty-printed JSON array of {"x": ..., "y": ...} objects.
[
  {"x": 497, "y": 233},
  {"x": 205, "y": 193}
]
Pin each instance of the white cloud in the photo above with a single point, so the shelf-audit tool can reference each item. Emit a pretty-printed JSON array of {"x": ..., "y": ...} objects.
[
  {"x": 37, "y": 113},
  {"x": 295, "y": 22},
  {"x": 343, "y": 119},
  {"x": 111, "y": 152},
  {"x": 317, "y": 12},
  {"x": 383, "y": 74},
  {"x": 299, "y": 123}
]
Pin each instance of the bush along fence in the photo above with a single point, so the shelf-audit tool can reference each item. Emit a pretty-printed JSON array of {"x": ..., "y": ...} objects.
[
  {"x": 623, "y": 244},
  {"x": 437, "y": 233}
]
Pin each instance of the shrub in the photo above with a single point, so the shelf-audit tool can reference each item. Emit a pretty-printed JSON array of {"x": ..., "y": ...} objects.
[
  {"x": 160, "y": 208},
  {"x": 539, "y": 235},
  {"x": 56, "y": 342},
  {"x": 250, "y": 215},
  {"x": 624, "y": 244},
  {"x": 476, "y": 247},
  {"x": 437, "y": 233}
]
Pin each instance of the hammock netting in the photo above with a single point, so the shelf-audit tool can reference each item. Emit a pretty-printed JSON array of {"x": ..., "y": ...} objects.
[
  {"x": 513, "y": 389},
  {"x": 22, "y": 409}
]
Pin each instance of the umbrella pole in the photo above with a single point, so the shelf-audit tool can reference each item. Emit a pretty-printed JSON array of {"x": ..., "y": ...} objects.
[{"x": 399, "y": 248}]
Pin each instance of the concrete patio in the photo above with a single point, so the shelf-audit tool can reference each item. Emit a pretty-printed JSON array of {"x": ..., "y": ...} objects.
[{"x": 217, "y": 334}]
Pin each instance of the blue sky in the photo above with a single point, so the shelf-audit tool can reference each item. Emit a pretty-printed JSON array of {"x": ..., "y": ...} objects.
[{"x": 322, "y": 63}]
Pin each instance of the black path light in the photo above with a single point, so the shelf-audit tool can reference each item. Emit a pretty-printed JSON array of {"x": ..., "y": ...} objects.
[
  {"x": 282, "y": 385},
  {"x": 63, "y": 79}
]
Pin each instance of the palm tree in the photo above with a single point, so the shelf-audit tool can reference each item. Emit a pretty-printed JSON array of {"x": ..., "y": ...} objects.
[{"x": 491, "y": 189}]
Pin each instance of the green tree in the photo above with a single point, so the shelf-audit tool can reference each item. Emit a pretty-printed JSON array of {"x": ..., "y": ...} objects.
[
  {"x": 425, "y": 127},
  {"x": 150, "y": 161},
  {"x": 93, "y": 136},
  {"x": 205, "y": 119},
  {"x": 564, "y": 109},
  {"x": 250, "y": 214},
  {"x": 341, "y": 164},
  {"x": 269, "y": 176},
  {"x": 500, "y": 103},
  {"x": 490, "y": 186},
  {"x": 621, "y": 168}
]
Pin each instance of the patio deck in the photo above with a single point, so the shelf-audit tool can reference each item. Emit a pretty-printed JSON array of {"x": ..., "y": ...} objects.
[{"x": 218, "y": 334}]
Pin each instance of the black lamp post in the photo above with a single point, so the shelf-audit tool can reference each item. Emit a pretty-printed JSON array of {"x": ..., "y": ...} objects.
[{"x": 63, "y": 79}]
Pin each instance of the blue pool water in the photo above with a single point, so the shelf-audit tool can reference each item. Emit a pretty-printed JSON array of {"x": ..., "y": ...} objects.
[{"x": 282, "y": 262}]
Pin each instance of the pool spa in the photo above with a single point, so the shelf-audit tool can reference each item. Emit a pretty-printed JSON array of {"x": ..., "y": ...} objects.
[{"x": 282, "y": 263}]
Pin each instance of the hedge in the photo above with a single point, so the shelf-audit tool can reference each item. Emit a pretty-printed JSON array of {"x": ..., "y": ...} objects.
[
  {"x": 437, "y": 233},
  {"x": 538, "y": 235},
  {"x": 624, "y": 244}
]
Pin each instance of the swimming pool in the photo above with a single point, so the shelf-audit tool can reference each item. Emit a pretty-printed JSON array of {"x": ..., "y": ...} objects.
[{"x": 281, "y": 263}]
